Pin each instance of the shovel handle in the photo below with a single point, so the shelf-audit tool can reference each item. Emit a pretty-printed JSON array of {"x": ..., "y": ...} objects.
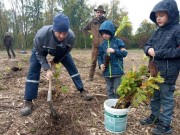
[{"x": 49, "y": 97}]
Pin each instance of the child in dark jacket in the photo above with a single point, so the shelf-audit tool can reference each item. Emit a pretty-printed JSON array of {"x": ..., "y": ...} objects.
[
  {"x": 164, "y": 47},
  {"x": 110, "y": 58}
]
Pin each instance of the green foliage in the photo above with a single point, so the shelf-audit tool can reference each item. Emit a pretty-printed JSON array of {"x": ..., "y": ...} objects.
[
  {"x": 7, "y": 70},
  {"x": 124, "y": 23},
  {"x": 57, "y": 71},
  {"x": 177, "y": 93},
  {"x": 29, "y": 16},
  {"x": 64, "y": 89},
  {"x": 142, "y": 34},
  {"x": 20, "y": 65},
  {"x": 137, "y": 86},
  {"x": 56, "y": 76}
]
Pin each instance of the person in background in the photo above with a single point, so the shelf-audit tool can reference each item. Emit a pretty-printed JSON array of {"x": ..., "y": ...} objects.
[
  {"x": 56, "y": 40},
  {"x": 163, "y": 46},
  {"x": 92, "y": 29},
  {"x": 8, "y": 43},
  {"x": 110, "y": 58}
]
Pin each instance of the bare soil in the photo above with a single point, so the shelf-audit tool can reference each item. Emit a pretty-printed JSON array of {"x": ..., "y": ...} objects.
[{"x": 76, "y": 116}]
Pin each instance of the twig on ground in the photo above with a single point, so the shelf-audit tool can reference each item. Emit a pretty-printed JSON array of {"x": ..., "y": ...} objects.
[
  {"x": 1, "y": 98},
  {"x": 6, "y": 106},
  {"x": 99, "y": 120},
  {"x": 45, "y": 120},
  {"x": 103, "y": 95},
  {"x": 96, "y": 100}
]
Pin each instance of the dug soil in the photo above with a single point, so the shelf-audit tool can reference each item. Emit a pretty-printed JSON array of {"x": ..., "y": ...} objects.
[{"x": 75, "y": 116}]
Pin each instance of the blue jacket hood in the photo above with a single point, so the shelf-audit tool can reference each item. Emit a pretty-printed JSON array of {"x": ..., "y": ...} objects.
[
  {"x": 170, "y": 6},
  {"x": 107, "y": 26}
]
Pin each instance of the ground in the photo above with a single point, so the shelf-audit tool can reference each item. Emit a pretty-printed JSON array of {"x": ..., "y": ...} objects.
[{"x": 76, "y": 117}]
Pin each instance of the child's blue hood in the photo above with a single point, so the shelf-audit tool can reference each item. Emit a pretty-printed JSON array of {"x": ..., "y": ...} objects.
[{"x": 108, "y": 26}]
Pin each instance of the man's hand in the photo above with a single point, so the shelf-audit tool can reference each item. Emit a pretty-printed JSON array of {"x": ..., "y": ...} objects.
[
  {"x": 49, "y": 74},
  {"x": 151, "y": 52},
  {"x": 110, "y": 50},
  {"x": 52, "y": 65},
  {"x": 102, "y": 67}
]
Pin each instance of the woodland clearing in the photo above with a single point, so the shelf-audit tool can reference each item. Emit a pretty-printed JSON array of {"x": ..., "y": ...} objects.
[{"x": 76, "y": 117}]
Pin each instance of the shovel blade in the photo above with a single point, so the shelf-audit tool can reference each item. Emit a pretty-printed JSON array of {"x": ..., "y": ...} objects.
[{"x": 53, "y": 111}]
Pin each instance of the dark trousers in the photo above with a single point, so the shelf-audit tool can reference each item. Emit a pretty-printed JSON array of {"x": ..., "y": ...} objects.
[
  {"x": 163, "y": 99},
  {"x": 111, "y": 86},
  {"x": 8, "y": 49},
  {"x": 32, "y": 81}
]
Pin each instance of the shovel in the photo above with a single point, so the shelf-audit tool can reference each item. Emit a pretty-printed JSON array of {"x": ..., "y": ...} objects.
[{"x": 49, "y": 100}]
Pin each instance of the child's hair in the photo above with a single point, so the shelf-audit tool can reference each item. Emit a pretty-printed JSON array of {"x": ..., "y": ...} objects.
[{"x": 106, "y": 32}]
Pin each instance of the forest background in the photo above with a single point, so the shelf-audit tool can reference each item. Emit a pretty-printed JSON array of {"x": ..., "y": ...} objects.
[{"x": 24, "y": 17}]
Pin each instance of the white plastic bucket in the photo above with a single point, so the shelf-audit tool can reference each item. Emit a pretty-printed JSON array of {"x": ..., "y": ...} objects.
[{"x": 115, "y": 119}]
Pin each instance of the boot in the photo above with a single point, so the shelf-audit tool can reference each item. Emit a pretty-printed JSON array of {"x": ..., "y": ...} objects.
[
  {"x": 27, "y": 108},
  {"x": 162, "y": 129},
  {"x": 149, "y": 120},
  {"x": 86, "y": 96}
]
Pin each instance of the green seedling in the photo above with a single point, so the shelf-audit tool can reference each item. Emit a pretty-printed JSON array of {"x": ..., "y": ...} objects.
[
  {"x": 7, "y": 70},
  {"x": 64, "y": 89},
  {"x": 137, "y": 86}
]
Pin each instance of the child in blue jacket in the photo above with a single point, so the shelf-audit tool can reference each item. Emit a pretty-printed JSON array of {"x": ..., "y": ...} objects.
[
  {"x": 110, "y": 58},
  {"x": 164, "y": 47}
]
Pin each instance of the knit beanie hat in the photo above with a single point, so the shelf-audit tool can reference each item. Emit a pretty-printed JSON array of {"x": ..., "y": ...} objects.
[{"x": 61, "y": 23}]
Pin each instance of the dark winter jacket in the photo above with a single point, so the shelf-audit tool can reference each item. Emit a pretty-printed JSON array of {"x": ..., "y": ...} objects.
[
  {"x": 115, "y": 67},
  {"x": 93, "y": 27},
  {"x": 8, "y": 41},
  {"x": 45, "y": 43},
  {"x": 166, "y": 41}
]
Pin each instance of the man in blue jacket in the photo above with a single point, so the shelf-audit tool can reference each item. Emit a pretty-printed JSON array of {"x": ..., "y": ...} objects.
[{"x": 56, "y": 40}]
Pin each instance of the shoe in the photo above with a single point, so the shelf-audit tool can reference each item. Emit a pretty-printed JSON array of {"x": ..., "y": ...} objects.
[
  {"x": 149, "y": 120},
  {"x": 86, "y": 96},
  {"x": 27, "y": 108},
  {"x": 162, "y": 129}
]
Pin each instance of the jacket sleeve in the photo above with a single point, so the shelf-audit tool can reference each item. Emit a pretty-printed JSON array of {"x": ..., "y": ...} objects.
[
  {"x": 38, "y": 45},
  {"x": 168, "y": 53},
  {"x": 119, "y": 52},
  {"x": 100, "y": 55},
  {"x": 149, "y": 44},
  {"x": 59, "y": 59},
  {"x": 86, "y": 29}
]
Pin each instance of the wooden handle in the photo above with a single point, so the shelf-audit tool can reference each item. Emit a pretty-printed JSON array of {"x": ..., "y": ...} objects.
[{"x": 49, "y": 97}]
